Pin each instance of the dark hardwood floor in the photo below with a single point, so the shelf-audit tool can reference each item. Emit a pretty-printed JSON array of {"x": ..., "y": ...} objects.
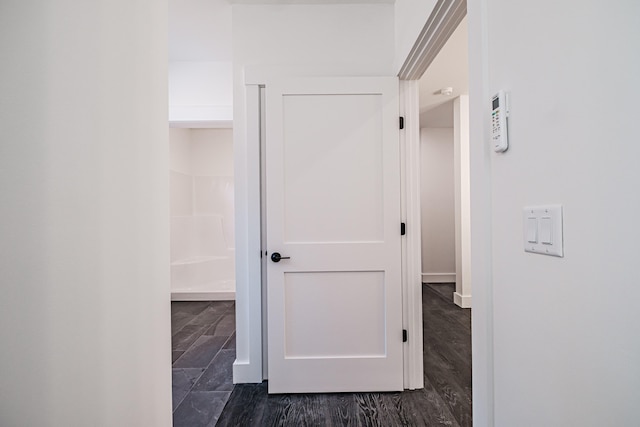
[
  {"x": 447, "y": 349},
  {"x": 444, "y": 401}
]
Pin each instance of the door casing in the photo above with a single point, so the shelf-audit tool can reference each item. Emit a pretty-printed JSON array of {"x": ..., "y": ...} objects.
[{"x": 254, "y": 369}]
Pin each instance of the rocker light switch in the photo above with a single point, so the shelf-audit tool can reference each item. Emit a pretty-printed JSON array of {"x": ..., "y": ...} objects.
[
  {"x": 543, "y": 230},
  {"x": 546, "y": 230},
  {"x": 532, "y": 230}
]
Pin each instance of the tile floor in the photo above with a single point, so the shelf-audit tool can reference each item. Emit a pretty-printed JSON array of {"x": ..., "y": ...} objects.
[{"x": 203, "y": 345}]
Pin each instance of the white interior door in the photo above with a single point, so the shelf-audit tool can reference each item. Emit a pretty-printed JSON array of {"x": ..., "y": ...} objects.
[{"x": 333, "y": 207}]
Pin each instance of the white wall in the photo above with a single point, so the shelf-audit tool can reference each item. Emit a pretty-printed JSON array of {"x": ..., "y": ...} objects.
[
  {"x": 180, "y": 150},
  {"x": 200, "y": 68},
  {"x": 199, "y": 30},
  {"x": 339, "y": 39},
  {"x": 565, "y": 330},
  {"x": 201, "y": 93},
  {"x": 437, "y": 205},
  {"x": 180, "y": 179},
  {"x": 84, "y": 313},
  {"x": 336, "y": 39}
]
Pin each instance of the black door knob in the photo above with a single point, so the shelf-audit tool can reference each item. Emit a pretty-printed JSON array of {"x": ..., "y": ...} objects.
[{"x": 276, "y": 257}]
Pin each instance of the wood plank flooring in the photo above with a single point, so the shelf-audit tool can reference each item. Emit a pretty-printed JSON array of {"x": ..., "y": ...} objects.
[{"x": 445, "y": 400}]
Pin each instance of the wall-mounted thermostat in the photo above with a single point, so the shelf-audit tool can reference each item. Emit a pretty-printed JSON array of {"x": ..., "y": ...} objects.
[{"x": 499, "y": 115}]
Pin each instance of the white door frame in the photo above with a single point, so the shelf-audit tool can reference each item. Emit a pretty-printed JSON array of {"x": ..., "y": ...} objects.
[
  {"x": 248, "y": 366},
  {"x": 411, "y": 244},
  {"x": 443, "y": 20}
]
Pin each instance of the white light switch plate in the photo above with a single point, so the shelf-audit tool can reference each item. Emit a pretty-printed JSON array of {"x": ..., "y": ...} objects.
[{"x": 545, "y": 223}]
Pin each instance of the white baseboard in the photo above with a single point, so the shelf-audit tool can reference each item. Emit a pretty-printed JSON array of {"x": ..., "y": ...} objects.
[
  {"x": 204, "y": 296},
  {"x": 438, "y": 277},
  {"x": 463, "y": 301},
  {"x": 243, "y": 372}
]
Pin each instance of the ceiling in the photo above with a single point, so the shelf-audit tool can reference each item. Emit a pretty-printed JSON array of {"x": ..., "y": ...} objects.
[{"x": 448, "y": 69}]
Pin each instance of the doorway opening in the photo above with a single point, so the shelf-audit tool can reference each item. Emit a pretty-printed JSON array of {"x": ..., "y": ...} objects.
[
  {"x": 445, "y": 221},
  {"x": 445, "y": 182}
]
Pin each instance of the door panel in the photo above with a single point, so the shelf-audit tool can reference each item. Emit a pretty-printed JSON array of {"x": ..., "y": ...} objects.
[
  {"x": 327, "y": 160},
  {"x": 333, "y": 207},
  {"x": 313, "y": 331}
]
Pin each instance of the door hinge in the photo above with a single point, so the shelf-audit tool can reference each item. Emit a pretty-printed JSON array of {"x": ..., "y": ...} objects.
[
  {"x": 401, "y": 122},
  {"x": 403, "y": 229},
  {"x": 405, "y": 337}
]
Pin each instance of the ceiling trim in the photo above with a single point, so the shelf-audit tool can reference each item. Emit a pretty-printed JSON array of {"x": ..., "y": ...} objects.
[
  {"x": 201, "y": 124},
  {"x": 442, "y": 22}
]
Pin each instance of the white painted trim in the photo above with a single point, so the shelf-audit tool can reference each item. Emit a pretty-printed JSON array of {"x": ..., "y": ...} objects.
[
  {"x": 481, "y": 225},
  {"x": 442, "y": 22},
  {"x": 203, "y": 296},
  {"x": 411, "y": 243},
  {"x": 462, "y": 194},
  {"x": 201, "y": 124},
  {"x": 463, "y": 301},
  {"x": 248, "y": 365},
  {"x": 243, "y": 372},
  {"x": 438, "y": 277},
  {"x": 263, "y": 232}
]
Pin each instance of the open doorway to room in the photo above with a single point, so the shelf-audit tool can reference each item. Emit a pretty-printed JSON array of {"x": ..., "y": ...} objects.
[
  {"x": 201, "y": 211},
  {"x": 445, "y": 168},
  {"x": 446, "y": 296},
  {"x": 202, "y": 214}
]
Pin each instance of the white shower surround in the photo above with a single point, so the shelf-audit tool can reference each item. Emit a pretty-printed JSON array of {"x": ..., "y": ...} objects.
[
  {"x": 202, "y": 264},
  {"x": 202, "y": 237}
]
